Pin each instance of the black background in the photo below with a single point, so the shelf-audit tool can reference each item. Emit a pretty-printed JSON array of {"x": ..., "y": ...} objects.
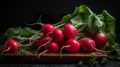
[{"x": 15, "y": 13}]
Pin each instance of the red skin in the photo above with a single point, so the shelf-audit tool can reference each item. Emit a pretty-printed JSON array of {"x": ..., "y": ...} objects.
[
  {"x": 69, "y": 31},
  {"x": 86, "y": 44},
  {"x": 12, "y": 44},
  {"x": 58, "y": 35},
  {"x": 52, "y": 47},
  {"x": 74, "y": 46},
  {"x": 47, "y": 28},
  {"x": 100, "y": 39},
  {"x": 42, "y": 40}
]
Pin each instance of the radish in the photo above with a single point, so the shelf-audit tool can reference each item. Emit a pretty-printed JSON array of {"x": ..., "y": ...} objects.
[
  {"x": 74, "y": 46},
  {"x": 100, "y": 39},
  {"x": 42, "y": 40},
  {"x": 10, "y": 46},
  {"x": 50, "y": 47},
  {"x": 46, "y": 28},
  {"x": 71, "y": 46},
  {"x": 58, "y": 35},
  {"x": 69, "y": 31},
  {"x": 88, "y": 45}
]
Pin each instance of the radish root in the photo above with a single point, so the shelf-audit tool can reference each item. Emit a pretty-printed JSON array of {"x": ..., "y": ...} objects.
[
  {"x": 43, "y": 45},
  {"x": 38, "y": 22},
  {"x": 5, "y": 51},
  {"x": 41, "y": 53},
  {"x": 62, "y": 49},
  {"x": 98, "y": 49}
]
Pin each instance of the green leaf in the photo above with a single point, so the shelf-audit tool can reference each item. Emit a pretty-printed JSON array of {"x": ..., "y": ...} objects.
[
  {"x": 12, "y": 31},
  {"x": 111, "y": 37},
  {"x": 76, "y": 20},
  {"x": 104, "y": 60},
  {"x": 66, "y": 18},
  {"x": 75, "y": 12},
  {"x": 25, "y": 52},
  {"x": 27, "y": 32},
  {"x": 80, "y": 63},
  {"x": 109, "y": 21},
  {"x": 84, "y": 11},
  {"x": 95, "y": 25}
]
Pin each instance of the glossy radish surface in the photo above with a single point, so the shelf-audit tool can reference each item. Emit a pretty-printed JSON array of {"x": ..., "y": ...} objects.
[
  {"x": 58, "y": 35},
  {"x": 11, "y": 45},
  {"x": 70, "y": 31},
  {"x": 47, "y": 28},
  {"x": 52, "y": 47},
  {"x": 100, "y": 39},
  {"x": 42, "y": 40},
  {"x": 88, "y": 45},
  {"x": 73, "y": 45}
]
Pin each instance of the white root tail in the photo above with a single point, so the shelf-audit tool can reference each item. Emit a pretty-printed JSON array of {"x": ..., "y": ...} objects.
[
  {"x": 5, "y": 51},
  {"x": 38, "y": 22},
  {"x": 42, "y": 46},
  {"x": 62, "y": 49},
  {"x": 41, "y": 53}
]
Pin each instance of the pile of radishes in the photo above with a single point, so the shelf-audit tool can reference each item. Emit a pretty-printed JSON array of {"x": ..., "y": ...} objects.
[{"x": 55, "y": 40}]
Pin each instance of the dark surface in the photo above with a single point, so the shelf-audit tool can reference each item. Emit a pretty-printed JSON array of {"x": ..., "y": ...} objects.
[{"x": 108, "y": 64}]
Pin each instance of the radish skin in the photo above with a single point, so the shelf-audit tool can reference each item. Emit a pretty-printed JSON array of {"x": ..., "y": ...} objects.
[
  {"x": 100, "y": 39},
  {"x": 75, "y": 46},
  {"x": 88, "y": 45},
  {"x": 58, "y": 35},
  {"x": 10, "y": 46},
  {"x": 50, "y": 47},
  {"x": 69, "y": 31}
]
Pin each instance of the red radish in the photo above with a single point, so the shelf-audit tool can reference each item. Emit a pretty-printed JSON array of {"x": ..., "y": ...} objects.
[
  {"x": 74, "y": 45},
  {"x": 100, "y": 39},
  {"x": 58, "y": 35},
  {"x": 50, "y": 47},
  {"x": 42, "y": 40},
  {"x": 88, "y": 45},
  {"x": 46, "y": 28},
  {"x": 71, "y": 46},
  {"x": 10, "y": 46},
  {"x": 70, "y": 31}
]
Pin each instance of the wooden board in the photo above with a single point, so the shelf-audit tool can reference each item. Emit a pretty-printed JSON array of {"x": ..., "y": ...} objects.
[{"x": 48, "y": 57}]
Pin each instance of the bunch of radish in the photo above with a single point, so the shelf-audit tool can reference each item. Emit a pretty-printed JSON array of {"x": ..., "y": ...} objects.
[
  {"x": 53, "y": 37},
  {"x": 55, "y": 40},
  {"x": 94, "y": 43}
]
